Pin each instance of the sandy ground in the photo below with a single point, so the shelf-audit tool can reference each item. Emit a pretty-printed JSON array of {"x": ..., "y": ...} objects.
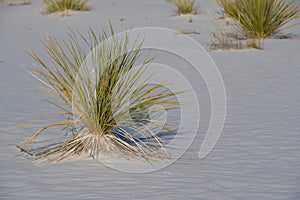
[{"x": 257, "y": 156}]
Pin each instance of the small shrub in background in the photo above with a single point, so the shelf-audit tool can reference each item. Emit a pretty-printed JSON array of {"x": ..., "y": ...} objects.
[
  {"x": 261, "y": 18},
  {"x": 185, "y": 6},
  {"x": 63, "y": 6}
]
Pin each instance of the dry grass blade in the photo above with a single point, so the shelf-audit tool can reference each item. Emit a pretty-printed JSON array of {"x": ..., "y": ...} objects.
[{"x": 106, "y": 99}]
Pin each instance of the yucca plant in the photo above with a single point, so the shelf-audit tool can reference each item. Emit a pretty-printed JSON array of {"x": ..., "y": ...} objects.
[
  {"x": 261, "y": 18},
  {"x": 104, "y": 99},
  {"x": 185, "y": 6},
  {"x": 65, "y": 5}
]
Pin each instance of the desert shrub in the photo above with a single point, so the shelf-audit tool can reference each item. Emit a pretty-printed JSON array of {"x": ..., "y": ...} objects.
[
  {"x": 185, "y": 6},
  {"x": 103, "y": 112},
  {"x": 65, "y": 5},
  {"x": 261, "y": 18}
]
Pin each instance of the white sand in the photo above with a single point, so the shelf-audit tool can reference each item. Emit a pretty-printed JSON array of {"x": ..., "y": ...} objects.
[{"x": 257, "y": 156}]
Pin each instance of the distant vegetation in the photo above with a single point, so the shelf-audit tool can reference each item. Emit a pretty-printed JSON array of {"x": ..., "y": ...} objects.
[
  {"x": 63, "y": 6},
  {"x": 261, "y": 18},
  {"x": 185, "y": 6}
]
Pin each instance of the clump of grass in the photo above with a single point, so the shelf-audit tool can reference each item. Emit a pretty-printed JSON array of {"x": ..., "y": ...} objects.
[
  {"x": 185, "y": 6},
  {"x": 63, "y": 6},
  {"x": 232, "y": 37},
  {"x": 105, "y": 102},
  {"x": 261, "y": 18}
]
